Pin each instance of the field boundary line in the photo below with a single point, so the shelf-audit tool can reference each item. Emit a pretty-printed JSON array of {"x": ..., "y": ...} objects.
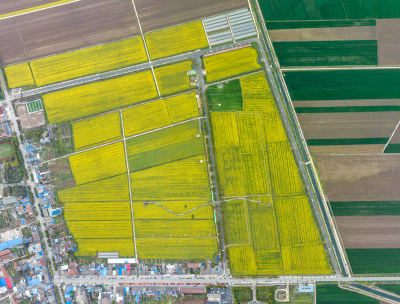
[
  {"x": 230, "y": 27},
  {"x": 205, "y": 31},
  {"x": 155, "y": 80},
  {"x": 322, "y": 68},
  {"x": 390, "y": 138},
  {"x": 32, "y": 10},
  {"x": 180, "y": 214},
  {"x": 247, "y": 222},
  {"x": 141, "y": 32},
  {"x": 123, "y": 138},
  {"x": 234, "y": 77},
  {"x": 129, "y": 184}
]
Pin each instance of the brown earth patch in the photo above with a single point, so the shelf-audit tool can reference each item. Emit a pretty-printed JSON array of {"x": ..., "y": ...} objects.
[
  {"x": 388, "y": 41},
  {"x": 369, "y": 231},
  {"x": 65, "y": 28},
  {"x": 29, "y": 121},
  {"x": 9, "y": 6},
  {"x": 346, "y": 149},
  {"x": 324, "y": 34},
  {"x": 360, "y": 177},
  {"x": 348, "y": 125},
  {"x": 62, "y": 174},
  {"x": 157, "y": 14},
  {"x": 347, "y": 103}
]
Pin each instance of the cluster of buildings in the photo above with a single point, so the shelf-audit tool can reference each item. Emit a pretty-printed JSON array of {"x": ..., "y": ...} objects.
[{"x": 5, "y": 131}]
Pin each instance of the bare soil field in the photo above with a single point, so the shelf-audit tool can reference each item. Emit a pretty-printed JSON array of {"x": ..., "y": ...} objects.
[
  {"x": 360, "y": 177},
  {"x": 346, "y": 149},
  {"x": 65, "y": 28},
  {"x": 396, "y": 136},
  {"x": 324, "y": 34},
  {"x": 30, "y": 120},
  {"x": 348, "y": 125},
  {"x": 157, "y": 14},
  {"x": 388, "y": 41},
  {"x": 369, "y": 231},
  {"x": 9, "y": 6}
]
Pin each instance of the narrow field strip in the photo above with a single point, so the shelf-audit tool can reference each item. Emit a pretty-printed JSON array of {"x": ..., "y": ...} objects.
[
  {"x": 36, "y": 8},
  {"x": 19, "y": 76}
]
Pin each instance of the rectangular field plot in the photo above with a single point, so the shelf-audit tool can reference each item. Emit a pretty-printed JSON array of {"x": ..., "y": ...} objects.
[
  {"x": 270, "y": 230},
  {"x": 225, "y": 97},
  {"x": 374, "y": 261},
  {"x": 343, "y": 84},
  {"x": 173, "y": 78},
  {"x": 180, "y": 180},
  {"x": 90, "y": 247},
  {"x": 97, "y": 130},
  {"x": 185, "y": 249},
  {"x": 101, "y": 229},
  {"x": 231, "y": 63},
  {"x": 173, "y": 210},
  {"x": 99, "y": 163},
  {"x": 174, "y": 228},
  {"x": 159, "y": 113},
  {"x": 113, "y": 189},
  {"x": 164, "y": 146},
  {"x": 97, "y": 211},
  {"x": 332, "y": 294},
  {"x": 99, "y": 97},
  {"x": 19, "y": 76},
  {"x": 327, "y": 53},
  {"x": 177, "y": 39},
  {"x": 87, "y": 61}
]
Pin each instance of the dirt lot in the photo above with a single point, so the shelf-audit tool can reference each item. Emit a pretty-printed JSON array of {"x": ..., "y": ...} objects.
[
  {"x": 65, "y": 28},
  {"x": 325, "y": 34},
  {"x": 30, "y": 120},
  {"x": 156, "y": 14},
  {"x": 8, "y": 6},
  {"x": 348, "y": 125},
  {"x": 388, "y": 41},
  {"x": 360, "y": 177},
  {"x": 369, "y": 231}
]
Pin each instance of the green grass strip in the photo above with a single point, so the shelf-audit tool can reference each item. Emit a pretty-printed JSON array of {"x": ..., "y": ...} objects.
[
  {"x": 279, "y": 25},
  {"x": 225, "y": 97},
  {"x": 347, "y": 141},
  {"x": 374, "y": 261},
  {"x": 332, "y": 294},
  {"x": 392, "y": 148},
  {"x": 358, "y": 208},
  {"x": 395, "y": 288},
  {"x": 35, "y": 8},
  {"x": 347, "y": 109}
]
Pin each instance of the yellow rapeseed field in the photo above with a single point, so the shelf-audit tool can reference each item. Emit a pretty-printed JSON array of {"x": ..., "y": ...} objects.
[
  {"x": 145, "y": 117},
  {"x": 231, "y": 63},
  {"x": 177, "y": 39},
  {"x": 113, "y": 189},
  {"x": 96, "y": 130},
  {"x": 101, "y": 229},
  {"x": 98, "y": 163},
  {"x": 19, "y": 75},
  {"x": 98, "y": 97},
  {"x": 159, "y": 113},
  {"x": 155, "y": 212},
  {"x": 182, "y": 107},
  {"x": 174, "y": 228},
  {"x": 185, "y": 249},
  {"x": 242, "y": 260},
  {"x": 90, "y": 247},
  {"x": 91, "y": 60},
  {"x": 183, "y": 179},
  {"x": 173, "y": 78},
  {"x": 221, "y": 122},
  {"x": 97, "y": 211},
  {"x": 236, "y": 227}
]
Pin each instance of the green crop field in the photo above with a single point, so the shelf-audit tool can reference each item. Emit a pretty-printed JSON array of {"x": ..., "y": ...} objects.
[
  {"x": 343, "y": 84},
  {"x": 376, "y": 261},
  {"x": 395, "y": 288},
  {"x": 277, "y": 25},
  {"x": 6, "y": 150},
  {"x": 365, "y": 208},
  {"x": 225, "y": 97},
  {"x": 332, "y": 294},
  {"x": 327, "y": 53},
  {"x": 164, "y": 146}
]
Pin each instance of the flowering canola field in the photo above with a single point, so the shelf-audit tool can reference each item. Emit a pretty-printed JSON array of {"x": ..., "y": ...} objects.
[
  {"x": 271, "y": 229},
  {"x": 19, "y": 75}
]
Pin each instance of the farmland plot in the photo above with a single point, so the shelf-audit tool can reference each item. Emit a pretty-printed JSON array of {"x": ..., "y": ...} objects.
[
  {"x": 175, "y": 228},
  {"x": 231, "y": 63},
  {"x": 173, "y": 78},
  {"x": 97, "y": 211},
  {"x": 19, "y": 76},
  {"x": 177, "y": 39},
  {"x": 90, "y": 247},
  {"x": 99, "y": 97},
  {"x": 93, "y": 131},
  {"x": 101, "y": 229}
]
